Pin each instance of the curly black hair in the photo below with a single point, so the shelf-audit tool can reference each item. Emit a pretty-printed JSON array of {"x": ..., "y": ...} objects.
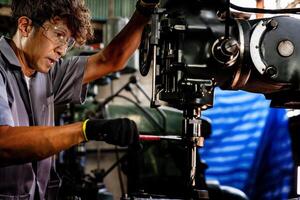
[{"x": 74, "y": 11}]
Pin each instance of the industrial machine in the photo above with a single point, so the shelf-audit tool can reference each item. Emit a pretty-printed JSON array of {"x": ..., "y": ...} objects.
[{"x": 195, "y": 45}]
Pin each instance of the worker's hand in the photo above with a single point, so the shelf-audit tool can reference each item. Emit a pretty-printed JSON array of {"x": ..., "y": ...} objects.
[
  {"x": 146, "y": 7},
  {"x": 120, "y": 131}
]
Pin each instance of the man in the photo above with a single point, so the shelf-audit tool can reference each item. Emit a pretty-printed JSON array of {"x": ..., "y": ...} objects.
[{"x": 34, "y": 77}]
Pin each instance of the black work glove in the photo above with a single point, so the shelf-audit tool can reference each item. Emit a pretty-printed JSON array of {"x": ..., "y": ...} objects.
[
  {"x": 121, "y": 131},
  {"x": 146, "y": 7}
]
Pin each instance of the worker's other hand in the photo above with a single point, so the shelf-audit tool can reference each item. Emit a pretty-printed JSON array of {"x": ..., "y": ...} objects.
[
  {"x": 121, "y": 131},
  {"x": 146, "y": 7}
]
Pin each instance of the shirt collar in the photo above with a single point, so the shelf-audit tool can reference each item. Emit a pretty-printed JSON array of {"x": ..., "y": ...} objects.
[{"x": 8, "y": 52}]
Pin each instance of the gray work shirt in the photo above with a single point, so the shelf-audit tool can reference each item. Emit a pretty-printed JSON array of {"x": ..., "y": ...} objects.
[{"x": 63, "y": 84}]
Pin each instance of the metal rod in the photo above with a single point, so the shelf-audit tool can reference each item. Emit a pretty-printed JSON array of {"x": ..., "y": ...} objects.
[
  {"x": 153, "y": 98},
  {"x": 159, "y": 137}
]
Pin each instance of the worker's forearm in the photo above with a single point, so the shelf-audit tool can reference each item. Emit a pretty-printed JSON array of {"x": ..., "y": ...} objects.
[
  {"x": 120, "y": 49},
  {"x": 25, "y": 144},
  {"x": 127, "y": 41}
]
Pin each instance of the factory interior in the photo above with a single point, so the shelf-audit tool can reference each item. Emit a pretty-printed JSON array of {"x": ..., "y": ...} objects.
[{"x": 212, "y": 96}]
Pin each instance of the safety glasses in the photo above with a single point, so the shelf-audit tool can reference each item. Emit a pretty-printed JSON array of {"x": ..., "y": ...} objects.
[{"x": 58, "y": 35}]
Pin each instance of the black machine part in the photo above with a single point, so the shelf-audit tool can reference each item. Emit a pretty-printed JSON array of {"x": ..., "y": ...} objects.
[
  {"x": 192, "y": 56},
  {"x": 270, "y": 59}
]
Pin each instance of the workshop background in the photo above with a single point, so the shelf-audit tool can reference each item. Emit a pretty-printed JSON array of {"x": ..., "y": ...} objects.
[{"x": 84, "y": 167}]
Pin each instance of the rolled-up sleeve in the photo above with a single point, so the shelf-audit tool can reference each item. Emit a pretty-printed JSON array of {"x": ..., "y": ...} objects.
[
  {"x": 67, "y": 77},
  {"x": 5, "y": 111}
]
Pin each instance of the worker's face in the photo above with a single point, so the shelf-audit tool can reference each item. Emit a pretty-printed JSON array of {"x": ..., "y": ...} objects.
[{"x": 46, "y": 43}]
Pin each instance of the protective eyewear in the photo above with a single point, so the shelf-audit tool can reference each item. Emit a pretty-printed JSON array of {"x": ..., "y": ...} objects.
[{"x": 58, "y": 35}]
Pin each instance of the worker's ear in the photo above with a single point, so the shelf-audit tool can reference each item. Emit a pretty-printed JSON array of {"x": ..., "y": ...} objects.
[{"x": 24, "y": 25}]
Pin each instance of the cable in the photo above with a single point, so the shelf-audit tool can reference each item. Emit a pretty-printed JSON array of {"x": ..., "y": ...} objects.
[
  {"x": 120, "y": 172},
  {"x": 147, "y": 114},
  {"x": 160, "y": 111},
  {"x": 266, "y": 11},
  {"x": 114, "y": 165},
  {"x": 127, "y": 87},
  {"x": 227, "y": 19}
]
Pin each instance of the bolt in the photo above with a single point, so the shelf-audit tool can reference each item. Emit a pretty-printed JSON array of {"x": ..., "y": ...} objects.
[
  {"x": 221, "y": 15},
  {"x": 271, "y": 71},
  {"x": 272, "y": 24},
  {"x": 231, "y": 47}
]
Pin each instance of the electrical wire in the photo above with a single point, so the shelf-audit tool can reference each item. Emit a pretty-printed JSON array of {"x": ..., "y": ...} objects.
[
  {"x": 148, "y": 115},
  {"x": 160, "y": 111},
  {"x": 227, "y": 18},
  {"x": 120, "y": 172},
  {"x": 266, "y": 11}
]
